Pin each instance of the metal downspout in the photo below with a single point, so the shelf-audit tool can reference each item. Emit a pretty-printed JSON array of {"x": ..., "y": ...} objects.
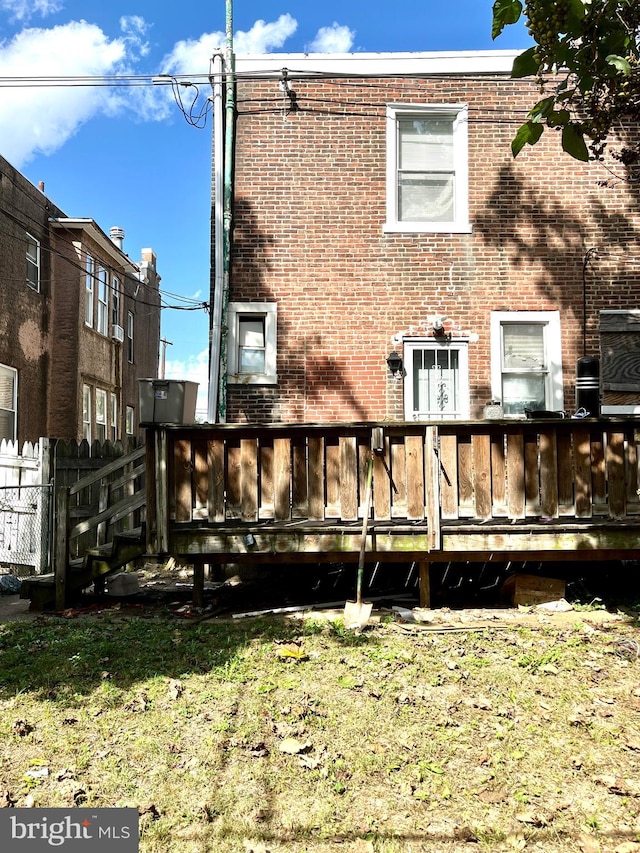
[
  {"x": 230, "y": 110},
  {"x": 215, "y": 328}
]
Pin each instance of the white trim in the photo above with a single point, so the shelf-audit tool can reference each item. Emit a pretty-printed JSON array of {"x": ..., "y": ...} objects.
[
  {"x": 455, "y": 62},
  {"x": 460, "y": 115},
  {"x": 620, "y": 410},
  {"x": 553, "y": 352},
  {"x": 462, "y": 347},
  {"x": 264, "y": 310}
]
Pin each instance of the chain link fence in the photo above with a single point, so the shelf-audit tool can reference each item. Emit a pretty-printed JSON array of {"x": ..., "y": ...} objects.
[{"x": 25, "y": 529}]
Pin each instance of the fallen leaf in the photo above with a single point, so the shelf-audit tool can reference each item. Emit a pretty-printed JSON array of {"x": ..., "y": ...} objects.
[
  {"x": 493, "y": 797},
  {"x": 361, "y": 846},
  {"x": 6, "y": 800},
  {"x": 176, "y": 689},
  {"x": 532, "y": 818},
  {"x": 22, "y": 728},
  {"x": 294, "y": 747},
  {"x": 627, "y": 847},
  {"x": 151, "y": 810},
  {"x": 291, "y": 651},
  {"x": 588, "y": 844},
  {"x": 622, "y": 787},
  {"x": 633, "y": 743},
  {"x": 465, "y": 833},
  {"x": 516, "y": 840},
  {"x": 254, "y": 846}
]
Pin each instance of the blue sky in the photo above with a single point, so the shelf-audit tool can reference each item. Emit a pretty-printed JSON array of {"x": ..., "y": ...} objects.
[{"x": 125, "y": 156}]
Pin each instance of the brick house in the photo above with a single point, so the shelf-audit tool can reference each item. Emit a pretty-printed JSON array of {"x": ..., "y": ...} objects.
[
  {"x": 79, "y": 321},
  {"x": 378, "y": 214}
]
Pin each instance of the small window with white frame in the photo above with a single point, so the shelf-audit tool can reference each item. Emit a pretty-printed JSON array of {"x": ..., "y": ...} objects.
[
  {"x": 89, "y": 290},
  {"x": 101, "y": 414},
  {"x": 115, "y": 302},
  {"x": 251, "y": 342},
  {"x": 103, "y": 300},
  {"x": 86, "y": 412},
  {"x": 113, "y": 419},
  {"x": 33, "y": 262},
  {"x": 526, "y": 361},
  {"x": 129, "y": 423},
  {"x": 8, "y": 402},
  {"x": 130, "y": 350},
  {"x": 427, "y": 168}
]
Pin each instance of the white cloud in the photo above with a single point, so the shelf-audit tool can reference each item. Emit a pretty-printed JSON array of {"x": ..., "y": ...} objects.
[
  {"x": 192, "y": 56},
  {"x": 40, "y": 119},
  {"x": 333, "y": 39},
  {"x": 195, "y": 369},
  {"x": 24, "y": 10}
]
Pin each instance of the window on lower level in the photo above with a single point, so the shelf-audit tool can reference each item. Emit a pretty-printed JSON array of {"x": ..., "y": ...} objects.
[
  {"x": 427, "y": 168},
  {"x": 526, "y": 361},
  {"x": 101, "y": 414},
  {"x": 436, "y": 384},
  {"x": 129, "y": 423},
  {"x": 86, "y": 412},
  {"x": 251, "y": 343},
  {"x": 33, "y": 262},
  {"x": 8, "y": 402},
  {"x": 113, "y": 419}
]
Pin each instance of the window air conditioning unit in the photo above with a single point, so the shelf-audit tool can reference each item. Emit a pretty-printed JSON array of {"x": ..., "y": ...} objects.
[{"x": 117, "y": 333}]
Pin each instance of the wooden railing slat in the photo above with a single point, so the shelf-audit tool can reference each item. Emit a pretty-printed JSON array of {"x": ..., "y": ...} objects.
[
  {"x": 316, "y": 478},
  {"x": 615, "y": 459},
  {"x": 515, "y": 475},
  {"x": 481, "y": 445},
  {"x": 249, "y": 479},
  {"x": 382, "y": 483},
  {"x": 182, "y": 463},
  {"x": 448, "y": 465},
  {"x": 282, "y": 478},
  {"x": 582, "y": 451},
  {"x": 215, "y": 462},
  {"x": 348, "y": 478},
  {"x": 548, "y": 474},
  {"x": 415, "y": 477}
]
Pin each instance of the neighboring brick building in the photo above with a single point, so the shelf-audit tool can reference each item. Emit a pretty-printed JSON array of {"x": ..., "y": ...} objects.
[
  {"x": 79, "y": 322},
  {"x": 378, "y": 209}
]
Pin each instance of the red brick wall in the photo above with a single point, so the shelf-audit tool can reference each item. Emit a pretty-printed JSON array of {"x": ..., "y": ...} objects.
[{"x": 308, "y": 234}]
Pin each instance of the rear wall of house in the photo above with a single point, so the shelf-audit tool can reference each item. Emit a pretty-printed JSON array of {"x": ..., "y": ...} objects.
[{"x": 308, "y": 234}]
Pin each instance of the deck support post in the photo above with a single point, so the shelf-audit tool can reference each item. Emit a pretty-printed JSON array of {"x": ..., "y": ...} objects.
[
  {"x": 425, "y": 584},
  {"x": 61, "y": 553},
  {"x": 198, "y": 583}
]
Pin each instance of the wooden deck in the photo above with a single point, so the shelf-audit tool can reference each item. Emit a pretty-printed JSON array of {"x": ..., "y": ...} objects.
[{"x": 474, "y": 491}]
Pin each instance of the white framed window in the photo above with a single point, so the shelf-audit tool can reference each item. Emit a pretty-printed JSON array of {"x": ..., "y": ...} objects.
[
  {"x": 251, "y": 343},
  {"x": 427, "y": 168},
  {"x": 33, "y": 262},
  {"x": 115, "y": 301},
  {"x": 103, "y": 300},
  {"x": 113, "y": 419},
  {"x": 86, "y": 412},
  {"x": 526, "y": 361},
  {"x": 89, "y": 290},
  {"x": 8, "y": 402},
  {"x": 130, "y": 337},
  {"x": 436, "y": 380},
  {"x": 101, "y": 414},
  {"x": 129, "y": 420}
]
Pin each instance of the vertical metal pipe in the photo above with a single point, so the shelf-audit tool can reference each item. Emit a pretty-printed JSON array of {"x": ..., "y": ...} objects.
[
  {"x": 229, "y": 142},
  {"x": 216, "y": 299}
]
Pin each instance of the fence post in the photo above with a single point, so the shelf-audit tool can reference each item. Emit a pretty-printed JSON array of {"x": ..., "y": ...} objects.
[
  {"x": 45, "y": 447},
  {"x": 61, "y": 553}
]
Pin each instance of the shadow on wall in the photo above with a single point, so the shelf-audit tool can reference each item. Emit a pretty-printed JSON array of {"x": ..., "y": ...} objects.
[{"x": 309, "y": 376}]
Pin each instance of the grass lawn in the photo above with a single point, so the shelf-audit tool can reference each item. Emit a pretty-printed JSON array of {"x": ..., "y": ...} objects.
[{"x": 295, "y": 735}]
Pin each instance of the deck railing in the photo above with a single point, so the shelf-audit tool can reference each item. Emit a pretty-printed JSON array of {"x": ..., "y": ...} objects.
[{"x": 439, "y": 474}]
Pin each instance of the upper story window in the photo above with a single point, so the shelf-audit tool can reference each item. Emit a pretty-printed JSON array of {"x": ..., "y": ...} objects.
[
  {"x": 129, "y": 420},
  {"x": 103, "y": 300},
  {"x": 130, "y": 337},
  {"x": 251, "y": 355},
  {"x": 526, "y": 361},
  {"x": 33, "y": 262},
  {"x": 427, "y": 168},
  {"x": 89, "y": 290},
  {"x": 115, "y": 302}
]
